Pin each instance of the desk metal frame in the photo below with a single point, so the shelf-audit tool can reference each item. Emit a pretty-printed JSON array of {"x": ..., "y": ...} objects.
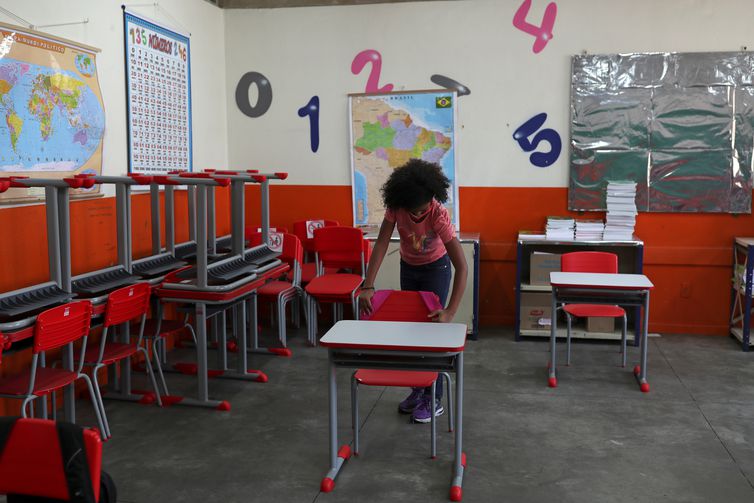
[
  {"x": 601, "y": 294},
  {"x": 393, "y": 359}
]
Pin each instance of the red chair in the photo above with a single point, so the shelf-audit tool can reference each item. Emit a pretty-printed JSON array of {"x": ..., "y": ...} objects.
[
  {"x": 56, "y": 327},
  {"x": 32, "y": 461},
  {"x": 283, "y": 290},
  {"x": 304, "y": 231},
  {"x": 336, "y": 247},
  {"x": 126, "y": 304},
  {"x": 250, "y": 231},
  {"x": 397, "y": 305},
  {"x": 600, "y": 262}
]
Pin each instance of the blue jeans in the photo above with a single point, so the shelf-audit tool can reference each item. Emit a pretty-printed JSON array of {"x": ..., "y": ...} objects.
[{"x": 433, "y": 277}]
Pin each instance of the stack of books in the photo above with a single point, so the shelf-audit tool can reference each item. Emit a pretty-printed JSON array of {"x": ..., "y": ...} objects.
[
  {"x": 589, "y": 230},
  {"x": 560, "y": 228},
  {"x": 531, "y": 235},
  {"x": 621, "y": 211}
]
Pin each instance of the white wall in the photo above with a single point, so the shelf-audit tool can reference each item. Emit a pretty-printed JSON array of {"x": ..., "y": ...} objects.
[
  {"x": 308, "y": 51},
  {"x": 105, "y": 31}
]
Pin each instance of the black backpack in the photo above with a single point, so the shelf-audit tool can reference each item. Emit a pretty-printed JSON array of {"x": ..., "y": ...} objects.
[{"x": 75, "y": 464}]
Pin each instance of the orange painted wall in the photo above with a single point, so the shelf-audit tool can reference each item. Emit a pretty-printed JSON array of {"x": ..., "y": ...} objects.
[{"x": 689, "y": 253}]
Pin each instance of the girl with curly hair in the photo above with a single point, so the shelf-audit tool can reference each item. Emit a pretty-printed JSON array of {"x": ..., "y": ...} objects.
[{"x": 412, "y": 196}]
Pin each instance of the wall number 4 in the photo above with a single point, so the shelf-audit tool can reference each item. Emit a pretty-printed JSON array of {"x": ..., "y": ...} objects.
[{"x": 543, "y": 32}]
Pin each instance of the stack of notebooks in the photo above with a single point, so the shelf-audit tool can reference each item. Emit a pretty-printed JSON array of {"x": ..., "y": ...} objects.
[
  {"x": 589, "y": 230},
  {"x": 559, "y": 228},
  {"x": 621, "y": 211}
]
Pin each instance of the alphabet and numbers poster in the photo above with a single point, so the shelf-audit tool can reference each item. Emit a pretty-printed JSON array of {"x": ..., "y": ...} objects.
[{"x": 158, "y": 96}]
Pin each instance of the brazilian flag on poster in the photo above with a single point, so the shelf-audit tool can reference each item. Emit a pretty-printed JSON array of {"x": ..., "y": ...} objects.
[{"x": 443, "y": 101}]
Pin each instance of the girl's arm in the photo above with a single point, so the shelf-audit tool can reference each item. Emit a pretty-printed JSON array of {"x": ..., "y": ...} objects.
[
  {"x": 375, "y": 261},
  {"x": 455, "y": 252}
]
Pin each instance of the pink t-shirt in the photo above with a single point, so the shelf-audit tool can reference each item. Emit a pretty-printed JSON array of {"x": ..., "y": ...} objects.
[{"x": 422, "y": 242}]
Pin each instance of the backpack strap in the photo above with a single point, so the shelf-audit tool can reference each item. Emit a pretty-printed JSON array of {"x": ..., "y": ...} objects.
[{"x": 75, "y": 464}]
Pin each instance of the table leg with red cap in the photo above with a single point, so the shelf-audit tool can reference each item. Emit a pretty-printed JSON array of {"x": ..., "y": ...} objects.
[
  {"x": 459, "y": 461},
  {"x": 337, "y": 456}
]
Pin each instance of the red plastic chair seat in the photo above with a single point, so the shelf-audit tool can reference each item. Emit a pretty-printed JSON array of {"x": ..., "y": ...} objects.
[
  {"x": 273, "y": 288},
  {"x": 48, "y": 379},
  {"x": 586, "y": 310},
  {"x": 398, "y": 378},
  {"x": 334, "y": 285},
  {"x": 114, "y": 351},
  {"x": 309, "y": 271}
]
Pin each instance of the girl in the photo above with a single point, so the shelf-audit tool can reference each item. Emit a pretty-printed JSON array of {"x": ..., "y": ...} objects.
[{"x": 412, "y": 196}]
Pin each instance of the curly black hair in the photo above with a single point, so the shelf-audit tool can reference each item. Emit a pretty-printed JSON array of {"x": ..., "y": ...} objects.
[{"x": 414, "y": 184}]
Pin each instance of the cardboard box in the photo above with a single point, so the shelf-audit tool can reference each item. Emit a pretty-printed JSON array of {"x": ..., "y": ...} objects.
[
  {"x": 535, "y": 312},
  {"x": 600, "y": 324},
  {"x": 540, "y": 267}
]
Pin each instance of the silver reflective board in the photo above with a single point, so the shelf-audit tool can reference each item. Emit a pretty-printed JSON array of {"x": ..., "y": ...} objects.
[{"x": 679, "y": 124}]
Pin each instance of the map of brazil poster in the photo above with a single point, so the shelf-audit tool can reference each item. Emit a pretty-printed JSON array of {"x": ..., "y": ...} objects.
[
  {"x": 389, "y": 129},
  {"x": 53, "y": 117}
]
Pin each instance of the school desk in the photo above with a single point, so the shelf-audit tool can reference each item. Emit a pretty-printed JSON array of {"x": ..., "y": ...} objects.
[
  {"x": 428, "y": 346},
  {"x": 601, "y": 288}
]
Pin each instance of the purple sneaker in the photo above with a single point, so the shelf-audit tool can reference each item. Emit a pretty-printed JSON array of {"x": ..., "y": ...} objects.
[
  {"x": 412, "y": 401},
  {"x": 423, "y": 413}
]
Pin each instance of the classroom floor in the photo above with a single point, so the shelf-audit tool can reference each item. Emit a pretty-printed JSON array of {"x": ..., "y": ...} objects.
[{"x": 596, "y": 438}]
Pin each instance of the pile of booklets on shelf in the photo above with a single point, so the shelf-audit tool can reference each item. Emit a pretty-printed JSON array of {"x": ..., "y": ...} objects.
[
  {"x": 621, "y": 211},
  {"x": 560, "y": 228},
  {"x": 589, "y": 230}
]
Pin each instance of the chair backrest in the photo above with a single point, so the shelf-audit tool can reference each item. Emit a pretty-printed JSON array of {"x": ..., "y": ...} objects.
[
  {"x": 305, "y": 228},
  {"x": 61, "y": 325},
  {"x": 32, "y": 462},
  {"x": 249, "y": 230},
  {"x": 402, "y": 305},
  {"x": 589, "y": 261},
  {"x": 341, "y": 247},
  {"x": 127, "y": 303},
  {"x": 292, "y": 251}
]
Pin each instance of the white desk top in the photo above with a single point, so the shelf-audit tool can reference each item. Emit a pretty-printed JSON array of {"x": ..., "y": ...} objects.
[
  {"x": 601, "y": 280},
  {"x": 396, "y": 336}
]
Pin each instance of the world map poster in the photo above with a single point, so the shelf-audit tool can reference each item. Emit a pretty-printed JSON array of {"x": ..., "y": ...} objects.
[
  {"x": 389, "y": 129},
  {"x": 52, "y": 117}
]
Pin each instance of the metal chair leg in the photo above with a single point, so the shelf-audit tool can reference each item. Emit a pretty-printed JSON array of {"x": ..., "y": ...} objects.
[
  {"x": 100, "y": 413},
  {"x": 568, "y": 339},
  {"x": 433, "y": 421},
  {"x": 155, "y": 349},
  {"x": 151, "y": 376},
  {"x": 355, "y": 412},
  {"x": 623, "y": 340},
  {"x": 449, "y": 399},
  {"x": 98, "y": 402}
]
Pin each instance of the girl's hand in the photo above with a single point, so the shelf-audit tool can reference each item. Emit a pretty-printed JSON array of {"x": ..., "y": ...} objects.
[
  {"x": 441, "y": 316},
  {"x": 365, "y": 301}
]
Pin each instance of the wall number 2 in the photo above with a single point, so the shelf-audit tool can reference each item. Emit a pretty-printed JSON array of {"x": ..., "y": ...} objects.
[
  {"x": 373, "y": 82},
  {"x": 528, "y": 128}
]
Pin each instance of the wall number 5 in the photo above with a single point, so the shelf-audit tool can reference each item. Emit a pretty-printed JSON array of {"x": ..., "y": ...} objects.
[{"x": 528, "y": 128}]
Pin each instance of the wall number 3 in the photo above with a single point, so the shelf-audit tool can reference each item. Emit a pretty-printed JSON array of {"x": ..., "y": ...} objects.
[{"x": 528, "y": 128}]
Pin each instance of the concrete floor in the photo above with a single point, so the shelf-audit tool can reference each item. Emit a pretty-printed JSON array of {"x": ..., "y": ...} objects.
[{"x": 596, "y": 438}]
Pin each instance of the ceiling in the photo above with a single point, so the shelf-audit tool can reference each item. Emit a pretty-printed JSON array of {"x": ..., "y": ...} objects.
[{"x": 272, "y": 4}]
